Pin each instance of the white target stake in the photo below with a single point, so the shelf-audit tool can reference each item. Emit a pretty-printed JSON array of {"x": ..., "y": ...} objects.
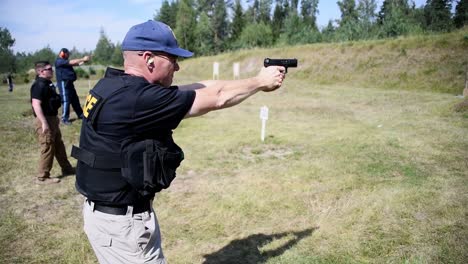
[{"x": 264, "y": 118}]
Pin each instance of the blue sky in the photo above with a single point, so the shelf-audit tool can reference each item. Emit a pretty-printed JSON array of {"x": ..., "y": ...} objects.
[{"x": 36, "y": 24}]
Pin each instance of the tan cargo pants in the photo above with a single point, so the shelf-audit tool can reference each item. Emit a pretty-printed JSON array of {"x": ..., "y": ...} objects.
[
  {"x": 123, "y": 239},
  {"x": 51, "y": 145}
]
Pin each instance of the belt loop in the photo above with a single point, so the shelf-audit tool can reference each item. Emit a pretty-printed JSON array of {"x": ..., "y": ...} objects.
[
  {"x": 91, "y": 204},
  {"x": 149, "y": 145},
  {"x": 130, "y": 210},
  {"x": 151, "y": 209}
]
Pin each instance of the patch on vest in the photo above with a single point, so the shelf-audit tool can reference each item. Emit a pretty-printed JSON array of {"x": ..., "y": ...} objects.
[{"x": 91, "y": 101}]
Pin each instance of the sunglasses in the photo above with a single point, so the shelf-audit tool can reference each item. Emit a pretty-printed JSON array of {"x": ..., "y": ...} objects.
[
  {"x": 47, "y": 69},
  {"x": 170, "y": 58}
]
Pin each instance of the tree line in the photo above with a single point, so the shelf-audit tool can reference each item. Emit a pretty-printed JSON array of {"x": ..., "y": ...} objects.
[
  {"x": 209, "y": 27},
  {"x": 212, "y": 26}
]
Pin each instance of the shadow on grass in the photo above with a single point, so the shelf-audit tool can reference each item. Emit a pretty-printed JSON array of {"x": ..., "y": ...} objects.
[{"x": 247, "y": 250}]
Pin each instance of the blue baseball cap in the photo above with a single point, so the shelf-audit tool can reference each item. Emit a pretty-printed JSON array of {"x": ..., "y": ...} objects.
[{"x": 153, "y": 36}]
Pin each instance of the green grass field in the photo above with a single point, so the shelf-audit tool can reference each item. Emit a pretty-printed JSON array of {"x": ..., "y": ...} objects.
[{"x": 348, "y": 173}]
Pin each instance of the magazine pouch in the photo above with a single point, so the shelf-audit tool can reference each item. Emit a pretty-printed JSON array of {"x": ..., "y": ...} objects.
[
  {"x": 150, "y": 165},
  {"x": 55, "y": 102}
]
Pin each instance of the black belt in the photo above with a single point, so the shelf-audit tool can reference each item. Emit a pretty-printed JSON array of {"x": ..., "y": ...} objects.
[{"x": 121, "y": 209}]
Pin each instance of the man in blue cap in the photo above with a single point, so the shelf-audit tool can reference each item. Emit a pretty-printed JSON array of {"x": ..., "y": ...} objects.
[{"x": 127, "y": 154}]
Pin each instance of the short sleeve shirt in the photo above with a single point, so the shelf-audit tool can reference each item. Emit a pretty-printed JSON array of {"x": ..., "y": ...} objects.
[
  {"x": 64, "y": 71},
  {"x": 141, "y": 109},
  {"x": 43, "y": 90}
]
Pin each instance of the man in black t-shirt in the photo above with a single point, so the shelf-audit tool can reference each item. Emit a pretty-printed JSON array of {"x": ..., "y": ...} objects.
[
  {"x": 45, "y": 103},
  {"x": 126, "y": 152}
]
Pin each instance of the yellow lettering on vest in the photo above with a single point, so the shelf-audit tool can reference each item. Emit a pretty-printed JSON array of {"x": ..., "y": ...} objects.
[{"x": 90, "y": 102}]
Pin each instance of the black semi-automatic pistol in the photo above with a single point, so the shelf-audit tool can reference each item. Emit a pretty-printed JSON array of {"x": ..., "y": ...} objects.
[{"x": 286, "y": 63}]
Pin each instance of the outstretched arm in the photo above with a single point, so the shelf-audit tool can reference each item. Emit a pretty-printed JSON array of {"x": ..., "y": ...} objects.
[
  {"x": 76, "y": 62},
  {"x": 217, "y": 94}
]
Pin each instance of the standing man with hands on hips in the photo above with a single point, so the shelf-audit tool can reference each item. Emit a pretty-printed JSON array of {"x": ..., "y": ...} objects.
[
  {"x": 127, "y": 154},
  {"x": 66, "y": 76}
]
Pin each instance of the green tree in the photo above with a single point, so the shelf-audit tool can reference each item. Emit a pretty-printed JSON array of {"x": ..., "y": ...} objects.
[
  {"x": 264, "y": 10},
  {"x": 167, "y": 13},
  {"x": 367, "y": 11},
  {"x": 44, "y": 54},
  {"x": 252, "y": 15},
  {"x": 349, "y": 23},
  {"x": 309, "y": 12},
  {"x": 438, "y": 15},
  {"x": 219, "y": 25},
  {"x": 206, "y": 6},
  {"x": 328, "y": 33},
  {"x": 25, "y": 61},
  {"x": 294, "y": 5},
  {"x": 279, "y": 15},
  {"x": 204, "y": 36},
  {"x": 395, "y": 19},
  {"x": 417, "y": 16},
  {"x": 238, "y": 21},
  {"x": 104, "y": 49},
  {"x": 349, "y": 14},
  {"x": 256, "y": 35},
  {"x": 7, "y": 59},
  {"x": 389, "y": 6},
  {"x": 366, "y": 15},
  {"x": 461, "y": 14},
  {"x": 296, "y": 32},
  {"x": 186, "y": 22},
  {"x": 117, "y": 56},
  {"x": 81, "y": 73}
]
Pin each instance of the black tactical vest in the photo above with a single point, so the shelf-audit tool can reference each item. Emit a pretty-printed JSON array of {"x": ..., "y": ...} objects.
[{"x": 121, "y": 173}]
